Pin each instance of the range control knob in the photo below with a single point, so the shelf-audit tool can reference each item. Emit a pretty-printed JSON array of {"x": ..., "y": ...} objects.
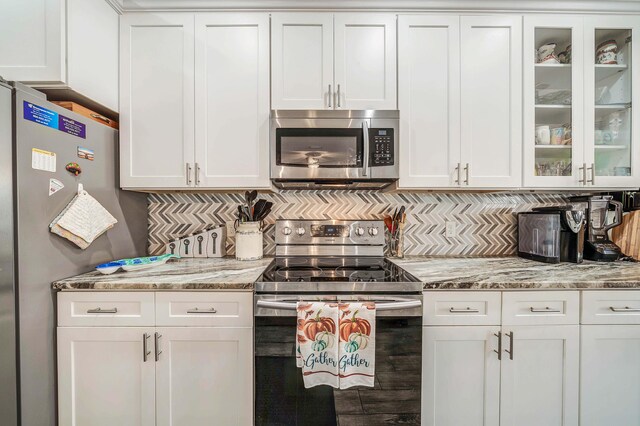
[
  {"x": 373, "y": 231},
  {"x": 359, "y": 231},
  {"x": 300, "y": 231},
  {"x": 286, "y": 230}
]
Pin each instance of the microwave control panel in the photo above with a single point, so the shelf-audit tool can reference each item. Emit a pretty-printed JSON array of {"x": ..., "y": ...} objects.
[{"x": 381, "y": 144}]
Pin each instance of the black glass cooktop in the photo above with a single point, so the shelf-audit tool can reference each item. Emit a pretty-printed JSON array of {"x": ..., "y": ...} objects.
[{"x": 335, "y": 269}]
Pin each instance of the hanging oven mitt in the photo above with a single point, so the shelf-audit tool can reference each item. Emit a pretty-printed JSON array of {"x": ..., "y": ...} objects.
[{"x": 83, "y": 220}]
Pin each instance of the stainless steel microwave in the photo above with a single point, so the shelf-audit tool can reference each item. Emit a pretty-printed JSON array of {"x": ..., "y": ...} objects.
[{"x": 334, "y": 149}]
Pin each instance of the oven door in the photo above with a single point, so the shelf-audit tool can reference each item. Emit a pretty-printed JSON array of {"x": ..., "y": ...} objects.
[
  {"x": 317, "y": 149},
  {"x": 280, "y": 396}
]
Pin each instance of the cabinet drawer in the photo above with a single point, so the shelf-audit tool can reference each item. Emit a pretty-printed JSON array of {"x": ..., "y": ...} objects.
[
  {"x": 204, "y": 309},
  {"x": 461, "y": 308},
  {"x": 105, "y": 309},
  {"x": 540, "y": 307},
  {"x": 611, "y": 307}
]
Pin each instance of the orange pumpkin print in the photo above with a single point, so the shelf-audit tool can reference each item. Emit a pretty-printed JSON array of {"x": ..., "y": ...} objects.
[
  {"x": 354, "y": 325},
  {"x": 313, "y": 326}
]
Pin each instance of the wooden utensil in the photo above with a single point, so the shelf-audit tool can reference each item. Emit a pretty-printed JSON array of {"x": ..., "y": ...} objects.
[{"x": 627, "y": 234}]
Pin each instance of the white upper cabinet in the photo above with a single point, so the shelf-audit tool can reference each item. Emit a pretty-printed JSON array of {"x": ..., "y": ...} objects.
[
  {"x": 553, "y": 101},
  {"x": 491, "y": 106},
  {"x": 232, "y": 98},
  {"x": 327, "y": 61},
  {"x": 157, "y": 100},
  {"x": 365, "y": 61},
  {"x": 611, "y": 98},
  {"x": 70, "y": 44},
  {"x": 578, "y": 105},
  {"x": 302, "y": 60},
  {"x": 195, "y": 101},
  {"x": 460, "y": 101},
  {"x": 32, "y": 45},
  {"x": 429, "y": 100}
]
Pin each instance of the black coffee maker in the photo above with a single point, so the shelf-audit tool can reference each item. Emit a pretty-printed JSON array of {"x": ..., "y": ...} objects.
[{"x": 597, "y": 244}]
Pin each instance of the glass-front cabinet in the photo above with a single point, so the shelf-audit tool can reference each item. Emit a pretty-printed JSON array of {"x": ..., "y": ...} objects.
[{"x": 578, "y": 97}]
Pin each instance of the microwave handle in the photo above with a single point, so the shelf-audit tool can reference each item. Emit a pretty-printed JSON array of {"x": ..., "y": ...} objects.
[{"x": 365, "y": 155}]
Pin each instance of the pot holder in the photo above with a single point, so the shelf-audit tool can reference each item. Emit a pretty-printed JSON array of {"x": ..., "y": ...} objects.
[{"x": 83, "y": 220}]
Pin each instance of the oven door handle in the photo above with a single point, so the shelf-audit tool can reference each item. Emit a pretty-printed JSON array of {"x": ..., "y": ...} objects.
[{"x": 380, "y": 306}]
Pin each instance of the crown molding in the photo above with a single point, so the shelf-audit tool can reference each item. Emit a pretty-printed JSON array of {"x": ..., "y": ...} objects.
[{"x": 540, "y": 6}]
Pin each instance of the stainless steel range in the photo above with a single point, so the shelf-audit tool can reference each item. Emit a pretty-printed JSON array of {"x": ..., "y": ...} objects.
[{"x": 343, "y": 261}]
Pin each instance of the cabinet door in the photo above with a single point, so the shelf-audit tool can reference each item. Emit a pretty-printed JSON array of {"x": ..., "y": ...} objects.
[
  {"x": 491, "y": 110},
  {"x": 460, "y": 376},
  {"x": 205, "y": 376},
  {"x": 92, "y": 50},
  {"x": 429, "y": 100},
  {"x": 553, "y": 102},
  {"x": 156, "y": 100},
  {"x": 612, "y": 94},
  {"x": 365, "y": 61},
  {"x": 32, "y": 46},
  {"x": 103, "y": 378},
  {"x": 232, "y": 100},
  {"x": 302, "y": 61},
  {"x": 539, "y": 386},
  {"x": 610, "y": 375}
]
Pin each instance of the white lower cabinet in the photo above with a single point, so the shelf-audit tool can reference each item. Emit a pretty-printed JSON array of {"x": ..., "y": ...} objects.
[
  {"x": 478, "y": 370},
  {"x": 539, "y": 377},
  {"x": 203, "y": 376},
  {"x": 103, "y": 379},
  {"x": 144, "y": 376},
  {"x": 610, "y": 375},
  {"x": 461, "y": 376}
]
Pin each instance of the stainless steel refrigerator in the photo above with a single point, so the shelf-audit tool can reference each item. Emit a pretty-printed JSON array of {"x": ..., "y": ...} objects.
[{"x": 31, "y": 257}]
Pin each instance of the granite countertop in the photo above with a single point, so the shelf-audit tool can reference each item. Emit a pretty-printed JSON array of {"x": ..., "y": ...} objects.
[
  {"x": 182, "y": 274},
  {"x": 513, "y": 273},
  {"x": 441, "y": 273}
]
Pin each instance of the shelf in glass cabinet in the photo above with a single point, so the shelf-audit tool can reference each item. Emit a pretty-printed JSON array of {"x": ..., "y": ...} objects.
[{"x": 607, "y": 70}]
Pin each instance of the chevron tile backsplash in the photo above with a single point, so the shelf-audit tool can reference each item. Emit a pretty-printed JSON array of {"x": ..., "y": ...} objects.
[{"x": 486, "y": 222}]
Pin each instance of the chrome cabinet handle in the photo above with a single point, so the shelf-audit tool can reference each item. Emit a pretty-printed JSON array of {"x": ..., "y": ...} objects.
[
  {"x": 202, "y": 311},
  {"x": 499, "y": 351},
  {"x": 145, "y": 348},
  {"x": 102, "y": 311},
  {"x": 157, "y": 337},
  {"x": 510, "y": 350},
  {"x": 330, "y": 95},
  {"x": 338, "y": 103},
  {"x": 188, "y": 174},
  {"x": 466, "y": 171},
  {"x": 625, "y": 309},
  {"x": 197, "y": 174},
  {"x": 365, "y": 155},
  {"x": 546, "y": 310},
  {"x": 468, "y": 310},
  {"x": 457, "y": 171},
  {"x": 583, "y": 170},
  {"x": 593, "y": 174}
]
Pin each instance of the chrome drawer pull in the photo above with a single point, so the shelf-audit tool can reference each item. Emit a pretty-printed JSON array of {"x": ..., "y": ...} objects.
[
  {"x": 464, "y": 311},
  {"x": 202, "y": 311},
  {"x": 625, "y": 309},
  {"x": 510, "y": 350},
  {"x": 547, "y": 310},
  {"x": 102, "y": 311},
  {"x": 156, "y": 339},
  {"x": 499, "y": 351},
  {"x": 145, "y": 350}
]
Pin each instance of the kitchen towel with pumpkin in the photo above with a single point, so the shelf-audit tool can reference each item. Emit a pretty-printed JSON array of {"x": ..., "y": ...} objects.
[
  {"x": 357, "y": 344},
  {"x": 316, "y": 343},
  {"x": 335, "y": 343}
]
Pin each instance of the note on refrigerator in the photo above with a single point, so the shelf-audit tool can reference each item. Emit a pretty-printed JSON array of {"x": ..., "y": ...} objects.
[{"x": 43, "y": 160}]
